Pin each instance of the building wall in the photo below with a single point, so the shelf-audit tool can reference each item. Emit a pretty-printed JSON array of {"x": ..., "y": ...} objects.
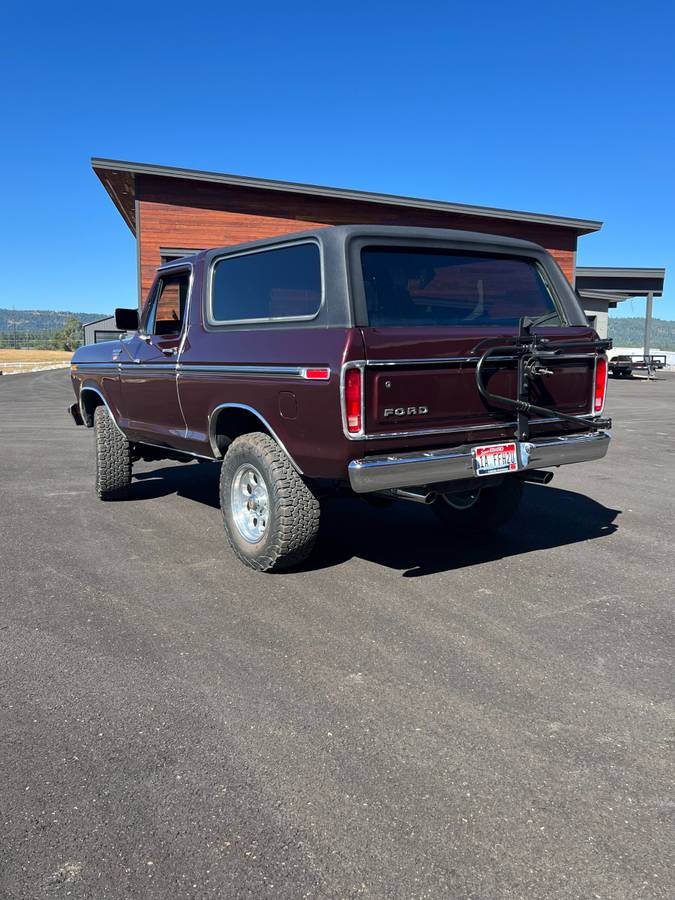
[
  {"x": 193, "y": 214},
  {"x": 94, "y": 332},
  {"x": 598, "y": 308}
]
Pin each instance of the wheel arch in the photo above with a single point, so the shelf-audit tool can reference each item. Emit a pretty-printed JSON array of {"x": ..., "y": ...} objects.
[
  {"x": 231, "y": 420},
  {"x": 91, "y": 397}
]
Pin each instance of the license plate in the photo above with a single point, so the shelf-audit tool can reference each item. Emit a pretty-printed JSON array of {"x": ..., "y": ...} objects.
[{"x": 495, "y": 458}]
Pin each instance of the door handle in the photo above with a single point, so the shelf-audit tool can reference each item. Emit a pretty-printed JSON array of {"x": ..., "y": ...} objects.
[{"x": 169, "y": 351}]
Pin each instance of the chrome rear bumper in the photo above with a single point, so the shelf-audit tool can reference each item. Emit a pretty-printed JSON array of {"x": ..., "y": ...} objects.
[{"x": 397, "y": 470}]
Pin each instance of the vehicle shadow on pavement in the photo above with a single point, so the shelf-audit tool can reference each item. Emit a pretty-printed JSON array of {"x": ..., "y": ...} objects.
[
  {"x": 409, "y": 537},
  {"x": 195, "y": 482},
  {"x": 406, "y": 536}
]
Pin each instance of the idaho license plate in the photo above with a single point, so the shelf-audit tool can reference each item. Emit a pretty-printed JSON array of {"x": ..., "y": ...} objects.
[{"x": 495, "y": 458}]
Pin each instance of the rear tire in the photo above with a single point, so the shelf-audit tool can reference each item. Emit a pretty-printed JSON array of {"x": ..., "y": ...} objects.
[
  {"x": 270, "y": 513},
  {"x": 113, "y": 458},
  {"x": 489, "y": 508}
]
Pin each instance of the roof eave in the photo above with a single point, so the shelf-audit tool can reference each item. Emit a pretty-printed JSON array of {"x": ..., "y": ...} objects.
[
  {"x": 110, "y": 188},
  {"x": 619, "y": 272},
  {"x": 580, "y": 226}
]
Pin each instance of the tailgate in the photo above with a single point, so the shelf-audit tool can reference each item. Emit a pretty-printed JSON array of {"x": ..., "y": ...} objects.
[{"x": 427, "y": 382}]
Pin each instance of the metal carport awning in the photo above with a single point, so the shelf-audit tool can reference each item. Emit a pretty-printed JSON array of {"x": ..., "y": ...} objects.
[{"x": 617, "y": 284}]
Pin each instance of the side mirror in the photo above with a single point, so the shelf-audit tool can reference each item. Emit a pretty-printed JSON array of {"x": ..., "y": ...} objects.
[{"x": 126, "y": 319}]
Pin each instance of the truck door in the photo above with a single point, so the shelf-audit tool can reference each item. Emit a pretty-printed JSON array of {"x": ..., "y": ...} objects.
[{"x": 149, "y": 383}]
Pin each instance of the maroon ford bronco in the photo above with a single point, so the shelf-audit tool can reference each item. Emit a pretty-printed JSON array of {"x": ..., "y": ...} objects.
[{"x": 442, "y": 367}]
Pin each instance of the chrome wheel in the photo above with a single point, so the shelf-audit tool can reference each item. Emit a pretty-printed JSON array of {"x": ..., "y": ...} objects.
[
  {"x": 464, "y": 500},
  {"x": 250, "y": 503}
]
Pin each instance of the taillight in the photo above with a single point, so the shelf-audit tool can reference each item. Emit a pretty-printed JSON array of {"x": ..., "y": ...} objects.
[
  {"x": 353, "y": 393},
  {"x": 600, "y": 384}
]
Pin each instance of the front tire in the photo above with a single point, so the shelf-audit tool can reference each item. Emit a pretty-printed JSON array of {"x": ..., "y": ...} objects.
[
  {"x": 271, "y": 515},
  {"x": 483, "y": 508},
  {"x": 113, "y": 458}
]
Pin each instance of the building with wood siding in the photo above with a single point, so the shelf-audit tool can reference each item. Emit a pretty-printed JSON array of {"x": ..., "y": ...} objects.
[{"x": 173, "y": 212}]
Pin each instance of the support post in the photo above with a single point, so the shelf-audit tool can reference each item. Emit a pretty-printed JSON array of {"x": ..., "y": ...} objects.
[
  {"x": 648, "y": 326},
  {"x": 647, "y": 349}
]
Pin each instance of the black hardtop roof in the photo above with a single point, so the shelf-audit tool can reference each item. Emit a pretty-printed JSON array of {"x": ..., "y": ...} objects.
[{"x": 344, "y": 233}]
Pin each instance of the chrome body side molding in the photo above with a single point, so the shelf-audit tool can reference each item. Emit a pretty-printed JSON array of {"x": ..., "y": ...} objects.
[
  {"x": 96, "y": 366},
  {"x": 180, "y": 368}
]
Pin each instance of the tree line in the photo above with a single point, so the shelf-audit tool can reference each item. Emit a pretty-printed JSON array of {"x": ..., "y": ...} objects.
[{"x": 69, "y": 337}]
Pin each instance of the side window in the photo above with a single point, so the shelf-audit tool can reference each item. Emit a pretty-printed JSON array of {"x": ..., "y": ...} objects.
[
  {"x": 272, "y": 284},
  {"x": 168, "y": 306}
]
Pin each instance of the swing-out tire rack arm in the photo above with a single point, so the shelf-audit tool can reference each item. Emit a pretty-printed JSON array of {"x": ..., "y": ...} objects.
[{"x": 527, "y": 350}]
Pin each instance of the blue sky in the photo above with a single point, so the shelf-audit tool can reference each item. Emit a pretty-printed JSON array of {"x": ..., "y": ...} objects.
[{"x": 568, "y": 110}]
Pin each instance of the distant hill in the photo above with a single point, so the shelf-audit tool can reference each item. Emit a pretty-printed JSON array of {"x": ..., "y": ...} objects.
[
  {"x": 40, "y": 319},
  {"x": 629, "y": 332},
  {"x": 626, "y": 332}
]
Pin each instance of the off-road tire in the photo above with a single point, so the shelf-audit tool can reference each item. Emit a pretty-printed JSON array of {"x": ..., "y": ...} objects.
[
  {"x": 113, "y": 458},
  {"x": 293, "y": 511},
  {"x": 492, "y": 509}
]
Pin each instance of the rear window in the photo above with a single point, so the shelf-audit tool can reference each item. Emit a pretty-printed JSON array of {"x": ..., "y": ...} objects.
[
  {"x": 284, "y": 283},
  {"x": 406, "y": 286}
]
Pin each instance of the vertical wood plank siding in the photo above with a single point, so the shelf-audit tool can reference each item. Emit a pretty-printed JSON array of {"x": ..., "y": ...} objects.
[{"x": 181, "y": 213}]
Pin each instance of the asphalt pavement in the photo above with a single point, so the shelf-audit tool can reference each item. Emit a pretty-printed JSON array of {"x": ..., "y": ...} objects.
[{"x": 411, "y": 715}]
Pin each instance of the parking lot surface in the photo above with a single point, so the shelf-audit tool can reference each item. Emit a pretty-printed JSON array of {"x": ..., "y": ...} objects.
[{"x": 411, "y": 715}]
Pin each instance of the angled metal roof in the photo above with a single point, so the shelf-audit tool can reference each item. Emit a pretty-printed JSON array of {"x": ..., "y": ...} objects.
[
  {"x": 619, "y": 283},
  {"x": 111, "y": 172},
  {"x": 98, "y": 321},
  {"x": 620, "y": 272}
]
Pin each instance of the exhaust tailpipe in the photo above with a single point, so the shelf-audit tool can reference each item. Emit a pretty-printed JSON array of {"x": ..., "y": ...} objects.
[
  {"x": 414, "y": 496},
  {"x": 425, "y": 497},
  {"x": 537, "y": 476}
]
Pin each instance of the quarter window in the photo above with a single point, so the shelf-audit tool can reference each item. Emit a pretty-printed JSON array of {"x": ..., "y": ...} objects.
[{"x": 284, "y": 283}]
